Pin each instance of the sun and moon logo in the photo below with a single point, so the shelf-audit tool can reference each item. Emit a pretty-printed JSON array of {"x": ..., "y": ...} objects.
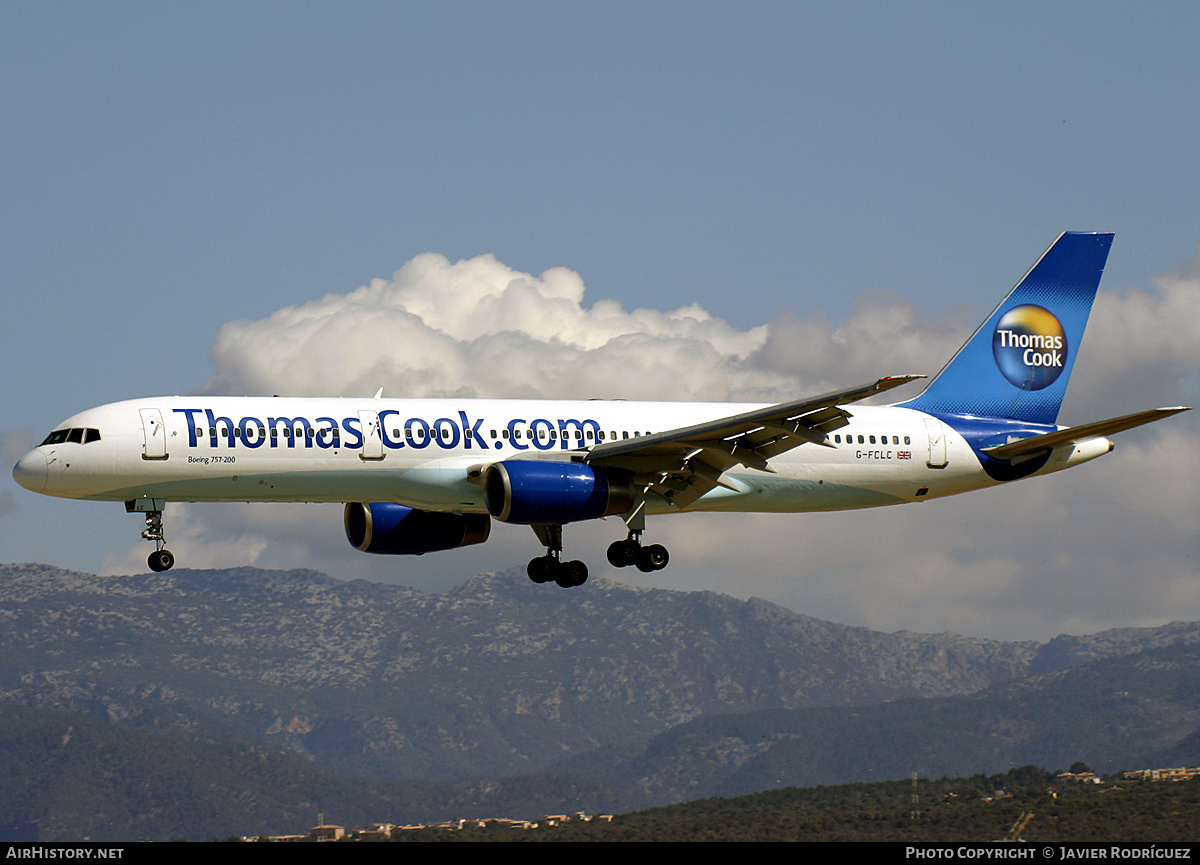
[{"x": 1030, "y": 346}]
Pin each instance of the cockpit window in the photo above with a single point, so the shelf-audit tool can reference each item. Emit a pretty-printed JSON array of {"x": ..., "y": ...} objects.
[{"x": 79, "y": 435}]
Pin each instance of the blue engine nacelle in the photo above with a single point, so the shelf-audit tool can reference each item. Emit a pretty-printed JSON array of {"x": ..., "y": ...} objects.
[
  {"x": 392, "y": 529},
  {"x": 530, "y": 492}
]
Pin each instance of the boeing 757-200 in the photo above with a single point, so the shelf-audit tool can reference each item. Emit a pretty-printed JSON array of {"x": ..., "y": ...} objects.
[{"x": 422, "y": 475}]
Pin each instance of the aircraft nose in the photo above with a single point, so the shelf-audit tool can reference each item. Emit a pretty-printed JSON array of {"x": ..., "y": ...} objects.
[{"x": 31, "y": 471}]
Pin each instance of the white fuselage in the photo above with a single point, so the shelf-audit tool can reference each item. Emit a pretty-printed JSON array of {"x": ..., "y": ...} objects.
[{"x": 421, "y": 453}]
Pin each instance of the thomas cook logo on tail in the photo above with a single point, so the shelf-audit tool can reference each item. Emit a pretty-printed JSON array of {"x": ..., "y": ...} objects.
[{"x": 1030, "y": 347}]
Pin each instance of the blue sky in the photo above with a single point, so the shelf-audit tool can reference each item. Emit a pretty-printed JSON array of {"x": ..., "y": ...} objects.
[{"x": 170, "y": 168}]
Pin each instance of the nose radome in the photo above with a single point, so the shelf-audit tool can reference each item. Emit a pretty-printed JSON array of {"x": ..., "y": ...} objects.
[{"x": 30, "y": 471}]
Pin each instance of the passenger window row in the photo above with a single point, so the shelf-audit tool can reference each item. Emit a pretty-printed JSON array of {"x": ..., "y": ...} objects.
[
  {"x": 579, "y": 434},
  {"x": 275, "y": 433},
  {"x": 870, "y": 439},
  {"x": 418, "y": 434}
]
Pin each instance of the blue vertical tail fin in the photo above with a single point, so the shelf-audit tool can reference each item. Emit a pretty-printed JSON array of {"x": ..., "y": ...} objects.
[{"x": 1016, "y": 365}]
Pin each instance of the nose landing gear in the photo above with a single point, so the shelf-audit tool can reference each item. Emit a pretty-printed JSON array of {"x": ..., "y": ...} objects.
[{"x": 161, "y": 559}]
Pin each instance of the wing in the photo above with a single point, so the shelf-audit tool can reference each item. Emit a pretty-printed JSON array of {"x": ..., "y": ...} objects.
[
  {"x": 1074, "y": 434},
  {"x": 683, "y": 464}
]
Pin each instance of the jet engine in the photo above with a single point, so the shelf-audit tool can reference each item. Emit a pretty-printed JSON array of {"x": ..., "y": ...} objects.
[
  {"x": 392, "y": 529},
  {"x": 529, "y": 492}
]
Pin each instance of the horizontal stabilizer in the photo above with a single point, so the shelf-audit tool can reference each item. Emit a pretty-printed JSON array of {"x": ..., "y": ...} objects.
[{"x": 1086, "y": 432}]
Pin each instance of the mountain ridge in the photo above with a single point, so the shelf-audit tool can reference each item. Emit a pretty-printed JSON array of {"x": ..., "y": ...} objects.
[{"x": 627, "y": 696}]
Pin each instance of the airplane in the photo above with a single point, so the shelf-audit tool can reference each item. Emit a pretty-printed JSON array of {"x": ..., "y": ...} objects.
[{"x": 424, "y": 475}]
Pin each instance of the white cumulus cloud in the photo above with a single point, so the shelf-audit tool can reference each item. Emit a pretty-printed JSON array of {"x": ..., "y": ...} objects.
[{"x": 478, "y": 328}]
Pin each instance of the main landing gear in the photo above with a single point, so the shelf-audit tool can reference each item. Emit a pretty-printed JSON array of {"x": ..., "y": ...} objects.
[
  {"x": 161, "y": 559},
  {"x": 545, "y": 568},
  {"x": 550, "y": 567},
  {"x": 622, "y": 554}
]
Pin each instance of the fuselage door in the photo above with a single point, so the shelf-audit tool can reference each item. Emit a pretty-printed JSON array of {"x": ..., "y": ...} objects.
[
  {"x": 937, "y": 443},
  {"x": 372, "y": 448},
  {"x": 154, "y": 435}
]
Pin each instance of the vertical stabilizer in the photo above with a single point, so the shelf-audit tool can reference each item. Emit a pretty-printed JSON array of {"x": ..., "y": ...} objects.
[{"x": 1016, "y": 365}]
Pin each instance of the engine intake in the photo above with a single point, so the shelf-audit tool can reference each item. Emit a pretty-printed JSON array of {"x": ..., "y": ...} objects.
[
  {"x": 530, "y": 492},
  {"x": 391, "y": 529}
]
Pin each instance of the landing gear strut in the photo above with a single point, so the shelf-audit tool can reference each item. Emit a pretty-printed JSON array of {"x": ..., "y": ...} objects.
[
  {"x": 549, "y": 567},
  {"x": 622, "y": 554},
  {"x": 161, "y": 559}
]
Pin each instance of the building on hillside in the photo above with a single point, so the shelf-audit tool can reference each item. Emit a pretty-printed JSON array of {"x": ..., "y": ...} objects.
[
  {"x": 327, "y": 832},
  {"x": 1180, "y": 774}
]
